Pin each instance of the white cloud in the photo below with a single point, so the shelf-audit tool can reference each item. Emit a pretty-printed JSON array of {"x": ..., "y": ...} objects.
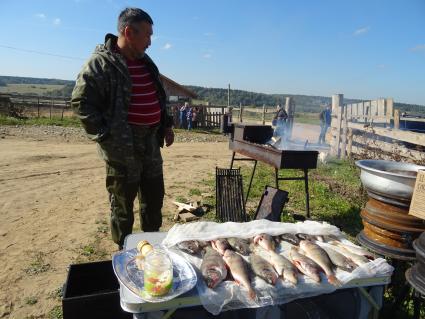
[
  {"x": 207, "y": 56},
  {"x": 361, "y": 31},
  {"x": 418, "y": 48},
  {"x": 167, "y": 46},
  {"x": 153, "y": 38},
  {"x": 381, "y": 66},
  {"x": 208, "y": 34},
  {"x": 40, "y": 16},
  {"x": 56, "y": 21}
]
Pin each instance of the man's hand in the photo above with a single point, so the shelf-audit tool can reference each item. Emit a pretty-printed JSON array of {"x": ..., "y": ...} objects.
[{"x": 169, "y": 136}]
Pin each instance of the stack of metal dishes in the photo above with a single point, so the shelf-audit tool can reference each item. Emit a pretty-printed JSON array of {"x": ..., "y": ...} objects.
[
  {"x": 416, "y": 274},
  {"x": 388, "y": 229}
]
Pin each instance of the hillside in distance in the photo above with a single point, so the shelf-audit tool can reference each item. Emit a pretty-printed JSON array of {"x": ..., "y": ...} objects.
[{"x": 218, "y": 96}]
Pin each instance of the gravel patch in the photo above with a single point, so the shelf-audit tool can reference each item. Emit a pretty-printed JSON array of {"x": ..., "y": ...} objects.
[{"x": 77, "y": 134}]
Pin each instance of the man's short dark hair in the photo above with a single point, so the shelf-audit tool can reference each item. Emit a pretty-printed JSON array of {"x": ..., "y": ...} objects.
[{"x": 129, "y": 16}]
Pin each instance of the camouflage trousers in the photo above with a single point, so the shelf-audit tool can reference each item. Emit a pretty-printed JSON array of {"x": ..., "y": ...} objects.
[{"x": 142, "y": 178}]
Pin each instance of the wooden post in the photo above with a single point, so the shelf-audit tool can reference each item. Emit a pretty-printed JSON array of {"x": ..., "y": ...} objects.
[
  {"x": 63, "y": 109},
  {"x": 264, "y": 114},
  {"x": 344, "y": 132},
  {"x": 389, "y": 110},
  {"x": 228, "y": 97},
  {"x": 38, "y": 107},
  {"x": 337, "y": 106},
  {"x": 397, "y": 119},
  {"x": 350, "y": 142},
  {"x": 51, "y": 106},
  {"x": 240, "y": 112}
]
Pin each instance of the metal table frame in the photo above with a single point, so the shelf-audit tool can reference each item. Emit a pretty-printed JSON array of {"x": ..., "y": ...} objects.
[
  {"x": 277, "y": 179},
  {"x": 191, "y": 298}
]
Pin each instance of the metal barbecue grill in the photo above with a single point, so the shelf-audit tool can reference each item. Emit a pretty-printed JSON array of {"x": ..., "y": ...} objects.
[{"x": 250, "y": 141}]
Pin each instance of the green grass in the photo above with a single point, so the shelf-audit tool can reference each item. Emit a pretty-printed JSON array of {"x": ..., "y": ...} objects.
[
  {"x": 38, "y": 265},
  {"x": 194, "y": 192},
  {"x": 336, "y": 194},
  {"x": 181, "y": 199},
  {"x": 213, "y": 131},
  {"x": 56, "y": 313},
  {"x": 300, "y": 117},
  {"x": 31, "y": 300},
  {"x": 307, "y": 118},
  {"x": 66, "y": 121}
]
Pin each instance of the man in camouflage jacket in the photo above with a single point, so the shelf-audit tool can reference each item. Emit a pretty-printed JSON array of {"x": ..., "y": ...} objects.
[{"x": 101, "y": 99}]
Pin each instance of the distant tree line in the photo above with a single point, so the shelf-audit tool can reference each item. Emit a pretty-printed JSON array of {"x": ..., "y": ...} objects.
[{"x": 216, "y": 96}]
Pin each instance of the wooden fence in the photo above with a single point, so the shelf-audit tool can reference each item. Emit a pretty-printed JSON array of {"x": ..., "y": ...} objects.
[
  {"x": 207, "y": 116},
  {"x": 370, "y": 130},
  {"x": 35, "y": 106}
]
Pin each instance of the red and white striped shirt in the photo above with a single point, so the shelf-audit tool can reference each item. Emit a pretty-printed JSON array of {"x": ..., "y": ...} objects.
[{"x": 144, "y": 106}]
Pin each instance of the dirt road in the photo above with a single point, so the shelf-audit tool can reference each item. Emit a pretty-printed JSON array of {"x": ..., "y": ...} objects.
[{"x": 55, "y": 211}]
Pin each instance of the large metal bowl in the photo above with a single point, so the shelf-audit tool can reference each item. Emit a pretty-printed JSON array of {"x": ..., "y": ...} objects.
[{"x": 388, "y": 179}]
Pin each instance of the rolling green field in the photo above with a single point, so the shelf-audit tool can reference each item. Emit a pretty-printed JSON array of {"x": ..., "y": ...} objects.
[{"x": 39, "y": 89}]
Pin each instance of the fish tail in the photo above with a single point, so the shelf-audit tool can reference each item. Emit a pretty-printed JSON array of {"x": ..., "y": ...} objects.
[
  {"x": 346, "y": 268},
  {"x": 252, "y": 294},
  {"x": 292, "y": 278},
  {"x": 334, "y": 281}
]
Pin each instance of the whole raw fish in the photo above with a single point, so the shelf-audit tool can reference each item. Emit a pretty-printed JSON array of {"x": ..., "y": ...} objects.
[
  {"x": 263, "y": 269},
  {"x": 354, "y": 249},
  {"x": 283, "y": 267},
  {"x": 240, "y": 245},
  {"x": 290, "y": 238},
  {"x": 303, "y": 236},
  {"x": 304, "y": 264},
  {"x": 221, "y": 245},
  {"x": 190, "y": 246},
  {"x": 339, "y": 259},
  {"x": 238, "y": 269},
  {"x": 357, "y": 259},
  {"x": 213, "y": 268},
  {"x": 265, "y": 241},
  {"x": 319, "y": 255}
]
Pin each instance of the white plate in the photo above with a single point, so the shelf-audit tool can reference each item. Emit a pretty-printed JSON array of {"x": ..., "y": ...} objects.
[{"x": 125, "y": 268}]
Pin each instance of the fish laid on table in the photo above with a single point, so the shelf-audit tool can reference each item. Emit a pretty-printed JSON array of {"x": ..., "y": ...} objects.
[
  {"x": 221, "y": 245},
  {"x": 328, "y": 238},
  {"x": 213, "y": 268},
  {"x": 239, "y": 270},
  {"x": 303, "y": 236},
  {"x": 190, "y": 246},
  {"x": 339, "y": 259},
  {"x": 304, "y": 264},
  {"x": 290, "y": 238},
  {"x": 240, "y": 245},
  {"x": 357, "y": 259},
  {"x": 265, "y": 241},
  {"x": 283, "y": 267},
  {"x": 354, "y": 249},
  {"x": 263, "y": 269},
  {"x": 319, "y": 255}
]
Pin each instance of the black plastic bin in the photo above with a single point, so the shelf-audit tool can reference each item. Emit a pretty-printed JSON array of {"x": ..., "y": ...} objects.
[{"x": 92, "y": 291}]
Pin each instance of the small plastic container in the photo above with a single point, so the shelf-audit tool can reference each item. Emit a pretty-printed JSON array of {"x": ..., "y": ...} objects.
[{"x": 158, "y": 273}]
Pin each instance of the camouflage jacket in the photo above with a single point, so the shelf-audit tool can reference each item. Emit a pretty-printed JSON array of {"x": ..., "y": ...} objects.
[{"x": 101, "y": 98}]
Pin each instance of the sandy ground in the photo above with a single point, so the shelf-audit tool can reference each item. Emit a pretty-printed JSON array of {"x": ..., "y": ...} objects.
[{"x": 55, "y": 211}]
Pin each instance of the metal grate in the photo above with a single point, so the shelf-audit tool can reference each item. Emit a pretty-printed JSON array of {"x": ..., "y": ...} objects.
[{"x": 229, "y": 195}]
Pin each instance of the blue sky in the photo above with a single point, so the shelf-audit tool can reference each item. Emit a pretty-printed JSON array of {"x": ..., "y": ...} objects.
[{"x": 364, "y": 49}]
